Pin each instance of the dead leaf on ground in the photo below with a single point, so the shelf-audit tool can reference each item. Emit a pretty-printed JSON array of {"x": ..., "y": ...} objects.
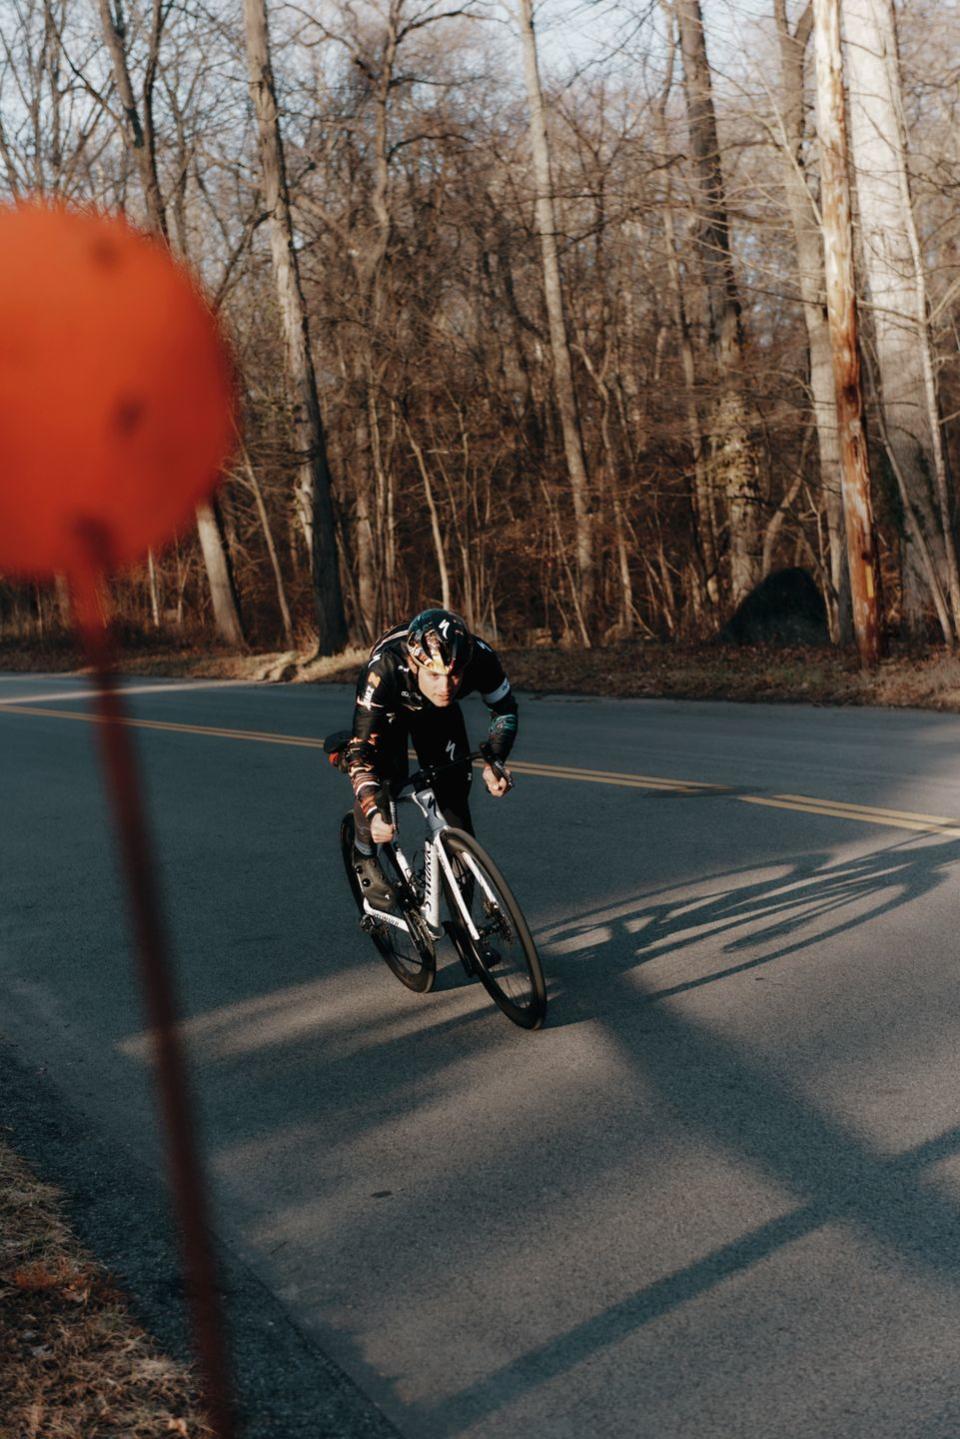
[{"x": 39, "y": 1276}]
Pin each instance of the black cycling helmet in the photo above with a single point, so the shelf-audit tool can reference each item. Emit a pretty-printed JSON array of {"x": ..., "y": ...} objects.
[{"x": 439, "y": 641}]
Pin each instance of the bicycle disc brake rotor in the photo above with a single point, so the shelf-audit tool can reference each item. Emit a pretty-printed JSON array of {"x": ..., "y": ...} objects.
[{"x": 498, "y": 948}]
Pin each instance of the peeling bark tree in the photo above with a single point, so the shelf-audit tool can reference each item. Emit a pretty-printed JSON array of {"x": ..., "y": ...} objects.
[
  {"x": 896, "y": 284},
  {"x": 559, "y": 341},
  {"x": 316, "y": 509},
  {"x": 842, "y": 311},
  {"x": 793, "y": 46},
  {"x": 733, "y": 461}
]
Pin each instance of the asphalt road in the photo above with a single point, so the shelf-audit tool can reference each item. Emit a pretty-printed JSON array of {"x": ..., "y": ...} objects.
[{"x": 718, "y": 1195}]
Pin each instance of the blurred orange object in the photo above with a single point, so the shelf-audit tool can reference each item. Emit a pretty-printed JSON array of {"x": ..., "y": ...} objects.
[{"x": 116, "y": 392}]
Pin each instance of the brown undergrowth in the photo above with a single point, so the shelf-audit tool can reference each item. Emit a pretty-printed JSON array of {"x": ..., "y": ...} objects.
[
  {"x": 73, "y": 1363},
  {"x": 814, "y": 676}
]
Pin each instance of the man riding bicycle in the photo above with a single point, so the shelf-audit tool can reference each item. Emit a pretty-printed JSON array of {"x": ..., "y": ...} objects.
[{"x": 409, "y": 688}]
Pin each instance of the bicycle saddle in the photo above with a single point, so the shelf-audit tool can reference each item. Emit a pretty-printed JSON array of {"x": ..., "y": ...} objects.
[{"x": 334, "y": 746}]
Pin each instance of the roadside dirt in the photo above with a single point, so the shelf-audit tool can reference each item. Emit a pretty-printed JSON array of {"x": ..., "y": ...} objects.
[
  {"x": 811, "y": 676},
  {"x": 73, "y": 1362}
]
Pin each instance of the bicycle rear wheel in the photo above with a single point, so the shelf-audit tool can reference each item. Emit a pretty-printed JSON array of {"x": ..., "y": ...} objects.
[
  {"x": 505, "y": 957},
  {"x": 410, "y": 953}
]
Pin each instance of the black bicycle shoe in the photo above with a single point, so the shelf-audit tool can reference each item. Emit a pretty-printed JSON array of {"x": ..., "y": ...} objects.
[{"x": 373, "y": 885}]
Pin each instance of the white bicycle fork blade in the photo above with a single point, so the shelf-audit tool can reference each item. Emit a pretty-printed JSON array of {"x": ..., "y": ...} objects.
[{"x": 455, "y": 889}]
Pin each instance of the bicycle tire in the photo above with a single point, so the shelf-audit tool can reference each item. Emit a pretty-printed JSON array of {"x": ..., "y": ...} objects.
[
  {"x": 514, "y": 980},
  {"x": 412, "y": 958}
]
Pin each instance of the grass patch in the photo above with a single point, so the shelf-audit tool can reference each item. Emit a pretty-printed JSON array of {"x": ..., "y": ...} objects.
[{"x": 73, "y": 1362}]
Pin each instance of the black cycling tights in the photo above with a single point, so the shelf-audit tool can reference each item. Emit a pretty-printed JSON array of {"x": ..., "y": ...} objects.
[{"x": 438, "y": 736}]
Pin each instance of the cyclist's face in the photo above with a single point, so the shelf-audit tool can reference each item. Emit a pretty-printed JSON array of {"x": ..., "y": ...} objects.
[{"x": 440, "y": 690}]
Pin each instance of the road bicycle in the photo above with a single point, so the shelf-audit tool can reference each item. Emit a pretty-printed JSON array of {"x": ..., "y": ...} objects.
[{"x": 485, "y": 923}]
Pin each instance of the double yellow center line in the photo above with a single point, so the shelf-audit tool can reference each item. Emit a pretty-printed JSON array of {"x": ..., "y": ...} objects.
[
  {"x": 260, "y": 736},
  {"x": 805, "y": 804},
  {"x": 866, "y": 814}
]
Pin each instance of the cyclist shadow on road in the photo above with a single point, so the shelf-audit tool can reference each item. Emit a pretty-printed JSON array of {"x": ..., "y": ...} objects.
[
  {"x": 836, "y": 1185},
  {"x": 798, "y": 906}
]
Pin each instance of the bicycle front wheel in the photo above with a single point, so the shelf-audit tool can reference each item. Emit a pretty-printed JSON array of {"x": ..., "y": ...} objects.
[
  {"x": 505, "y": 956},
  {"x": 410, "y": 953}
]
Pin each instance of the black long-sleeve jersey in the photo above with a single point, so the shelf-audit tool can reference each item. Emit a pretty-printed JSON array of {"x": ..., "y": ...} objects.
[{"x": 387, "y": 693}]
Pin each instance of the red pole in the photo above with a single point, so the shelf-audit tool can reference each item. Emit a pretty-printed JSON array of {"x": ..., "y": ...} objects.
[{"x": 157, "y": 982}]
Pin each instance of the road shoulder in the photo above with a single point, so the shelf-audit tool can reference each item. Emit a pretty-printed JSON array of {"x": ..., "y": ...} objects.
[{"x": 287, "y": 1388}]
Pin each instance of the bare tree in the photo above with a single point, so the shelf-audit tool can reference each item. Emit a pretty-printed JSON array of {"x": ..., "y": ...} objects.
[
  {"x": 704, "y": 489},
  {"x": 841, "y": 306},
  {"x": 806, "y": 230},
  {"x": 584, "y": 594},
  {"x": 894, "y": 272},
  {"x": 140, "y": 137},
  {"x": 316, "y": 509},
  {"x": 733, "y": 457},
  {"x": 139, "y": 133}
]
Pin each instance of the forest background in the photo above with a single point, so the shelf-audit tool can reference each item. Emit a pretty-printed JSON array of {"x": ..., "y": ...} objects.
[{"x": 528, "y": 309}]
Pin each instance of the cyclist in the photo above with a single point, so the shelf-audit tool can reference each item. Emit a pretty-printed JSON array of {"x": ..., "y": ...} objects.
[{"x": 410, "y": 687}]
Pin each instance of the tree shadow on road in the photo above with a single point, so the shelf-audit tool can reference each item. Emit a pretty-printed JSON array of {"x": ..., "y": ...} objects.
[{"x": 749, "y": 1109}]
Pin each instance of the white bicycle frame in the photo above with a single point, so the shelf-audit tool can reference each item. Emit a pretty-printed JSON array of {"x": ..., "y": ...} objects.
[{"x": 435, "y": 859}]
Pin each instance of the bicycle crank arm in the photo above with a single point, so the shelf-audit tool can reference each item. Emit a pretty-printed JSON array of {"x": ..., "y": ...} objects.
[{"x": 371, "y": 917}]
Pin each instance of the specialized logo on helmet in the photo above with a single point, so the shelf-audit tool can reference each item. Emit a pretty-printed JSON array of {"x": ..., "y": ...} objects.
[{"x": 440, "y": 642}]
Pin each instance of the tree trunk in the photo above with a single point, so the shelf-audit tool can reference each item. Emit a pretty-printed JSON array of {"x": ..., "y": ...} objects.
[
  {"x": 140, "y": 140},
  {"x": 735, "y": 463},
  {"x": 559, "y": 343},
  {"x": 365, "y": 564},
  {"x": 442, "y": 568},
  {"x": 809, "y": 251},
  {"x": 314, "y": 482},
  {"x": 138, "y": 133},
  {"x": 897, "y": 291},
  {"x": 842, "y": 311},
  {"x": 61, "y": 589},
  {"x": 625, "y": 623},
  {"x": 385, "y": 510},
  {"x": 776, "y": 522},
  {"x": 271, "y": 549},
  {"x": 154, "y": 590},
  {"x": 225, "y": 613},
  {"x": 703, "y": 492}
]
